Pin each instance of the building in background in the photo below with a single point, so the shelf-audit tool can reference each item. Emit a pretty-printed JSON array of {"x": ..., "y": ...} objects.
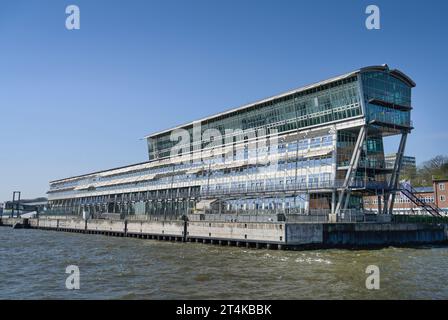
[
  {"x": 441, "y": 193},
  {"x": 316, "y": 149},
  {"x": 39, "y": 205},
  {"x": 435, "y": 196},
  {"x": 408, "y": 163}
]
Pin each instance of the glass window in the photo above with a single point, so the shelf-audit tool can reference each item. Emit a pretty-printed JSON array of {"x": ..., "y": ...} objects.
[{"x": 315, "y": 142}]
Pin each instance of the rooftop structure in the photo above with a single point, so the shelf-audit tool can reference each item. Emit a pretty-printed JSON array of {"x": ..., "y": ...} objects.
[{"x": 409, "y": 163}]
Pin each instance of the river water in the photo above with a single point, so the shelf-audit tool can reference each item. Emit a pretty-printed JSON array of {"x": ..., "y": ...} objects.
[{"x": 33, "y": 265}]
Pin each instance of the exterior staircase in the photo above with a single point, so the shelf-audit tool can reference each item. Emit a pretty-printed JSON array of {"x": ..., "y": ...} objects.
[{"x": 431, "y": 208}]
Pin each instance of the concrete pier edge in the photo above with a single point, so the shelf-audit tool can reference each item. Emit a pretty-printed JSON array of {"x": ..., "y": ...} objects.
[{"x": 257, "y": 235}]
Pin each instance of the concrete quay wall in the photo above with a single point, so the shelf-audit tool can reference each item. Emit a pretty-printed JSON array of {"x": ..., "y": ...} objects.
[
  {"x": 70, "y": 224},
  {"x": 252, "y": 234},
  {"x": 304, "y": 234},
  {"x": 9, "y": 222},
  {"x": 157, "y": 228},
  {"x": 267, "y": 232},
  {"x": 106, "y": 225},
  {"x": 376, "y": 234}
]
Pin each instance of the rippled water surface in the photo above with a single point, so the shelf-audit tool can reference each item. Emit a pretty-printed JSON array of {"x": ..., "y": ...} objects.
[{"x": 33, "y": 262}]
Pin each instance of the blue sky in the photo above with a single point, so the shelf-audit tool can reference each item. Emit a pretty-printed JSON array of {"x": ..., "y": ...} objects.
[{"x": 73, "y": 102}]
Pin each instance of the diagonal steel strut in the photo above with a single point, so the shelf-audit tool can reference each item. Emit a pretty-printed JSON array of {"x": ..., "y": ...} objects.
[{"x": 345, "y": 192}]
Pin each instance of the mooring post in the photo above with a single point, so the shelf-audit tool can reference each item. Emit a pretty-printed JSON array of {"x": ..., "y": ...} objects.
[{"x": 184, "y": 236}]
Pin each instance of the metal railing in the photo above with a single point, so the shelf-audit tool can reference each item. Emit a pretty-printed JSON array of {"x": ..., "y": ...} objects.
[
  {"x": 302, "y": 186},
  {"x": 418, "y": 218},
  {"x": 315, "y": 215}
]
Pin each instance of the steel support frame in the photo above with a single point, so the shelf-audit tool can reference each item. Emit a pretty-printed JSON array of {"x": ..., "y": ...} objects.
[
  {"x": 344, "y": 194},
  {"x": 389, "y": 197}
]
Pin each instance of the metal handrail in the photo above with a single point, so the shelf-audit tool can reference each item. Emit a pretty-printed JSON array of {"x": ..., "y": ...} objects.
[
  {"x": 432, "y": 209},
  {"x": 330, "y": 184}
]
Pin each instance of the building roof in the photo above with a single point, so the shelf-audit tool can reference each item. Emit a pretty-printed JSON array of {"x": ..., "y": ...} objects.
[
  {"x": 40, "y": 203},
  {"x": 32, "y": 202},
  {"x": 100, "y": 171},
  {"x": 424, "y": 189},
  {"x": 396, "y": 73}
]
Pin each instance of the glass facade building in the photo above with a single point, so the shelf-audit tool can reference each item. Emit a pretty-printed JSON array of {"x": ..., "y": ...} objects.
[{"x": 316, "y": 149}]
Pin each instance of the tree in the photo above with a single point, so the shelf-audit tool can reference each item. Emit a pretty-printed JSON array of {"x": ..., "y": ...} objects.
[{"x": 435, "y": 168}]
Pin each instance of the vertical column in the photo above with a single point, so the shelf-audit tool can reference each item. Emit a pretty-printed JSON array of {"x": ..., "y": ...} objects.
[
  {"x": 333, "y": 201},
  {"x": 379, "y": 204}
]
